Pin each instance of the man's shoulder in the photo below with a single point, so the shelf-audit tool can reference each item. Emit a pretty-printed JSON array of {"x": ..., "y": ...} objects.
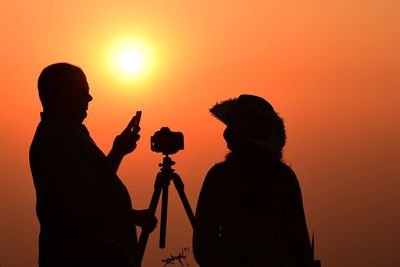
[
  {"x": 53, "y": 135},
  {"x": 58, "y": 129}
]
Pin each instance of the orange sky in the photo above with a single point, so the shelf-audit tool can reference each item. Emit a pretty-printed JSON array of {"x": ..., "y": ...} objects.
[{"x": 331, "y": 68}]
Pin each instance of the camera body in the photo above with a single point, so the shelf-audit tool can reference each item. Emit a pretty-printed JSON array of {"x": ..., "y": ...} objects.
[{"x": 167, "y": 142}]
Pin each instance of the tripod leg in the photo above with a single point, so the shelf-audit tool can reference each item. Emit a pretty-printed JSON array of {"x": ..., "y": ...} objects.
[
  {"x": 144, "y": 235},
  {"x": 164, "y": 208},
  {"x": 180, "y": 188}
]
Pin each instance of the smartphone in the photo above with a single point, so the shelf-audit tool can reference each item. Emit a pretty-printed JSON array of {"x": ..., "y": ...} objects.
[{"x": 137, "y": 118}]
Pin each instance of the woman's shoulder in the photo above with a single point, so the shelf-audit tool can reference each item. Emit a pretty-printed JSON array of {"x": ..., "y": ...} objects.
[
  {"x": 221, "y": 172},
  {"x": 286, "y": 169},
  {"x": 288, "y": 176},
  {"x": 219, "y": 168}
]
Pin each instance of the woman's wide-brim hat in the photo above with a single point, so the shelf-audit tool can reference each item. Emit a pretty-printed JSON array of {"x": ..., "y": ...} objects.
[{"x": 255, "y": 119}]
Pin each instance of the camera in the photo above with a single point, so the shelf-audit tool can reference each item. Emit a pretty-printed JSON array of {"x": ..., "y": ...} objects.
[{"x": 167, "y": 142}]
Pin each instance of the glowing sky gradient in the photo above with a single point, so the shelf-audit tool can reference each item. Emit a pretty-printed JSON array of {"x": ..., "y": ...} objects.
[{"x": 331, "y": 68}]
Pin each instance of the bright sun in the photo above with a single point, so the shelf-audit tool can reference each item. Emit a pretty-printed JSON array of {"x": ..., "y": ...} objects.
[{"x": 130, "y": 59}]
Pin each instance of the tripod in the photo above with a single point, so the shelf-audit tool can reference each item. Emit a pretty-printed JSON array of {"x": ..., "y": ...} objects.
[{"x": 161, "y": 184}]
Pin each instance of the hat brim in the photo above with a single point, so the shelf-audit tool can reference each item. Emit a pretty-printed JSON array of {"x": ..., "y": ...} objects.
[{"x": 222, "y": 109}]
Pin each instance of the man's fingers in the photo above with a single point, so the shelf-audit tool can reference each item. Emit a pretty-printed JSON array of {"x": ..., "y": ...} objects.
[
  {"x": 136, "y": 129},
  {"x": 132, "y": 128},
  {"x": 131, "y": 124}
]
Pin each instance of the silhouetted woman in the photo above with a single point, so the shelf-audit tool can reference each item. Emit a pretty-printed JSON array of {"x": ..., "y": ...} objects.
[{"x": 250, "y": 210}]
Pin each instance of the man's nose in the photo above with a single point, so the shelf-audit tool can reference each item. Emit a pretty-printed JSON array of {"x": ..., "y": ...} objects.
[{"x": 90, "y": 98}]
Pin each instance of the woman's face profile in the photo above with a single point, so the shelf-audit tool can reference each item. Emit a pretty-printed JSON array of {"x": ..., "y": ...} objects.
[{"x": 228, "y": 136}]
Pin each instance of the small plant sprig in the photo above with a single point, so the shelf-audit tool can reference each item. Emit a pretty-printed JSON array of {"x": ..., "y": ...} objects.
[{"x": 180, "y": 258}]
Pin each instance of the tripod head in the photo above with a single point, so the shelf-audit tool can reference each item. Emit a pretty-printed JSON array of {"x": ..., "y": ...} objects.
[{"x": 167, "y": 164}]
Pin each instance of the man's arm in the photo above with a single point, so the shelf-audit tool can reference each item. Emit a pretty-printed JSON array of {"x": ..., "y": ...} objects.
[
  {"x": 115, "y": 158},
  {"x": 124, "y": 144}
]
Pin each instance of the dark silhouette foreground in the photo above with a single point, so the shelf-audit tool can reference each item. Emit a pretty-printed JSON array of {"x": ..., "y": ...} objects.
[
  {"x": 250, "y": 210},
  {"x": 84, "y": 209}
]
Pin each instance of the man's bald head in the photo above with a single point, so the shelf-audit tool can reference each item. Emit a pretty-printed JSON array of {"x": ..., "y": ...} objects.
[{"x": 63, "y": 89}]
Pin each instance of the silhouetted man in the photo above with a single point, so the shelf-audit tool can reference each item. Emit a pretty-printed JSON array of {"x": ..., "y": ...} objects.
[{"x": 84, "y": 209}]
